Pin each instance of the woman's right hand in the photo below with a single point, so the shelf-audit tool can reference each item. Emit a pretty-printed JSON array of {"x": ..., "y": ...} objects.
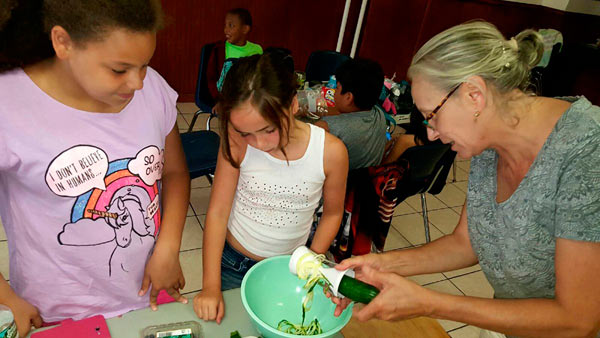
[
  {"x": 372, "y": 260},
  {"x": 209, "y": 305},
  {"x": 25, "y": 314}
]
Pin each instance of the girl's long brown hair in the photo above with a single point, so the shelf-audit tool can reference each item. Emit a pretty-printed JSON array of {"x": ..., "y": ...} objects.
[{"x": 267, "y": 84}]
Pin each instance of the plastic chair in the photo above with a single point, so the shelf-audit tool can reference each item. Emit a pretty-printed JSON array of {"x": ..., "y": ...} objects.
[
  {"x": 283, "y": 54},
  {"x": 322, "y": 64},
  {"x": 203, "y": 98},
  {"x": 428, "y": 168},
  {"x": 202, "y": 147}
]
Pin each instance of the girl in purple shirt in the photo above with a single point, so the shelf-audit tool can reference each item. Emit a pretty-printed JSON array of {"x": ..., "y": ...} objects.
[{"x": 93, "y": 183}]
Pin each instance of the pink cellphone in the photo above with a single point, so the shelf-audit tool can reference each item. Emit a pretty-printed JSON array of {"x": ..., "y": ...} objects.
[{"x": 92, "y": 327}]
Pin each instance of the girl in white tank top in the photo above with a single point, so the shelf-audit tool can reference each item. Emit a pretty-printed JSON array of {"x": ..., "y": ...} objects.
[{"x": 271, "y": 173}]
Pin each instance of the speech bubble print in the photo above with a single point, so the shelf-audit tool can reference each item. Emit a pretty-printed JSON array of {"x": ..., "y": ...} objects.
[
  {"x": 152, "y": 208},
  {"x": 77, "y": 170},
  {"x": 148, "y": 164}
]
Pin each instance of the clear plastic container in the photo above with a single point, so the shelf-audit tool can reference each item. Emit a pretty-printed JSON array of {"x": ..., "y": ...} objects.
[
  {"x": 311, "y": 103},
  {"x": 189, "y": 329},
  {"x": 8, "y": 328}
]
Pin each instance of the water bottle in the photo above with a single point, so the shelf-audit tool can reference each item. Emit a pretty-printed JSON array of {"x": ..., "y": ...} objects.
[
  {"x": 302, "y": 103},
  {"x": 8, "y": 327},
  {"x": 332, "y": 83}
]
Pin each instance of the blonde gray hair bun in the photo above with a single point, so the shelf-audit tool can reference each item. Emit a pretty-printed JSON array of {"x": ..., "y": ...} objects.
[{"x": 478, "y": 48}]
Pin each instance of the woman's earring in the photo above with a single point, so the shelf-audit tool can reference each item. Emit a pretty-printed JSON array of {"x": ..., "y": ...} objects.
[{"x": 477, "y": 114}]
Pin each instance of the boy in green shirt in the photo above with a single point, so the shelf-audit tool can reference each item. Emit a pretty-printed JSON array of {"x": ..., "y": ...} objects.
[{"x": 238, "y": 24}]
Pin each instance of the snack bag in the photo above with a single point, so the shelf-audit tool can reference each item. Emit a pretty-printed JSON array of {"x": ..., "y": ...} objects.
[{"x": 328, "y": 95}]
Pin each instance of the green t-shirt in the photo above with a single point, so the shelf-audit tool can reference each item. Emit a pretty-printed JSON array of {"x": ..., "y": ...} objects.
[
  {"x": 558, "y": 198},
  {"x": 233, "y": 51}
]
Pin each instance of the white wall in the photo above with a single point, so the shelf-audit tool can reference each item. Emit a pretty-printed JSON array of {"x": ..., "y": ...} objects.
[{"x": 577, "y": 6}]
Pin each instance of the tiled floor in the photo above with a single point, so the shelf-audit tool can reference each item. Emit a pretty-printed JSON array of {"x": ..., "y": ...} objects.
[{"x": 407, "y": 231}]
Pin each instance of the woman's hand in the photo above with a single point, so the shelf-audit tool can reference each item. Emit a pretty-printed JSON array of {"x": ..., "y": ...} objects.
[
  {"x": 163, "y": 271},
  {"x": 399, "y": 298},
  {"x": 25, "y": 314},
  {"x": 374, "y": 261},
  {"x": 209, "y": 305}
]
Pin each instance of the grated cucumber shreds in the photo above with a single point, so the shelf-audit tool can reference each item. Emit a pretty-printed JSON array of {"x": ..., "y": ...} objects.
[
  {"x": 314, "y": 328},
  {"x": 307, "y": 270}
]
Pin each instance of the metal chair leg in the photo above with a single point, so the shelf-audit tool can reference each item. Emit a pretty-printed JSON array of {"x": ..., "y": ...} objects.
[
  {"x": 193, "y": 121},
  {"x": 208, "y": 122},
  {"x": 425, "y": 218}
]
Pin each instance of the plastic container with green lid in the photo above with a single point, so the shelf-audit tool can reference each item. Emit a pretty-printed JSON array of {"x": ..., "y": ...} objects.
[{"x": 8, "y": 327}]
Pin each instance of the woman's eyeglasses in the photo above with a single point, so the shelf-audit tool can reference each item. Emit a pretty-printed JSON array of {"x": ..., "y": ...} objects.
[{"x": 437, "y": 109}]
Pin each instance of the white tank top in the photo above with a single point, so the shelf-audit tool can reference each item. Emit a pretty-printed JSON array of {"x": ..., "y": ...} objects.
[{"x": 275, "y": 200}]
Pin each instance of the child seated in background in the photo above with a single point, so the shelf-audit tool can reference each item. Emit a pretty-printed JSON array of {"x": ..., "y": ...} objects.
[
  {"x": 361, "y": 125},
  {"x": 416, "y": 135},
  {"x": 238, "y": 24}
]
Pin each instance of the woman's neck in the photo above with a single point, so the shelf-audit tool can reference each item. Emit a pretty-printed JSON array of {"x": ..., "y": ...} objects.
[{"x": 519, "y": 141}]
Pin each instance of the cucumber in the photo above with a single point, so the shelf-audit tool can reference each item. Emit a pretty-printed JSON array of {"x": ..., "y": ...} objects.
[{"x": 356, "y": 290}]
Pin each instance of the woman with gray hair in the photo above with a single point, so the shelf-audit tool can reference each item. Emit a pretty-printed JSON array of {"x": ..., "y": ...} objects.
[{"x": 532, "y": 215}]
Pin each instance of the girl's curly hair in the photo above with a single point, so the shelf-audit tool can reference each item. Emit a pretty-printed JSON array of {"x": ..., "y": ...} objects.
[{"x": 25, "y": 24}]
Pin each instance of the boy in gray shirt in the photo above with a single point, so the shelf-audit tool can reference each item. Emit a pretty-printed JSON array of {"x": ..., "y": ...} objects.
[{"x": 361, "y": 125}]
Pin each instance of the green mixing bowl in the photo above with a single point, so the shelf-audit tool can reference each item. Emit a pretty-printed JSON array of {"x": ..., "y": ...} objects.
[{"x": 271, "y": 293}]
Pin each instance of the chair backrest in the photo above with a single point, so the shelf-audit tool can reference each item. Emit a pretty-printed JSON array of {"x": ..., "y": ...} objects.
[
  {"x": 322, "y": 64},
  {"x": 203, "y": 98},
  {"x": 428, "y": 167},
  {"x": 282, "y": 54},
  {"x": 201, "y": 150}
]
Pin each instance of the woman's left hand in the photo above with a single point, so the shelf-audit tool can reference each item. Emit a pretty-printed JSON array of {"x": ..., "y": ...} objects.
[
  {"x": 399, "y": 298},
  {"x": 163, "y": 271}
]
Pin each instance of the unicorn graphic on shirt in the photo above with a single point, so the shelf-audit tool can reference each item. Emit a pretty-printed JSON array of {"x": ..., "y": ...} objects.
[{"x": 124, "y": 224}]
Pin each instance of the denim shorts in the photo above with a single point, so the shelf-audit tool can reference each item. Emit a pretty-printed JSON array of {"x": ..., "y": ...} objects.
[{"x": 234, "y": 266}]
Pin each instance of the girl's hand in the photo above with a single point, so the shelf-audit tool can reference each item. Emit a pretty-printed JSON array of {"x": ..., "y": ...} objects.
[
  {"x": 399, "y": 298},
  {"x": 25, "y": 314},
  {"x": 209, "y": 305},
  {"x": 163, "y": 271}
]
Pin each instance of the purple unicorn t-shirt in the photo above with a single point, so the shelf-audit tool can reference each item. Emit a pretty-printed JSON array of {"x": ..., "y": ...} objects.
[{"x": 80, "y": 196}]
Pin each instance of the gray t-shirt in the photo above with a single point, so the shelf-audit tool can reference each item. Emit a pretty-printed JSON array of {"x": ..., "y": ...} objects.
[
  {"x": 363, "y": 133},
  {"x": 558, "y": 198}
]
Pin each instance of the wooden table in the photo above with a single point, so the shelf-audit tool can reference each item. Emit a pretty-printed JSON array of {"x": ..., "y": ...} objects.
[
  {"x": 132, "y": 323},
  {"x": 416, "y": 327}
]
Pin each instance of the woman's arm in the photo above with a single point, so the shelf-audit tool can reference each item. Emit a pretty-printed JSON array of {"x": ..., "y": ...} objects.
[
  {"x": 574, "y": 312},
  {"x": 447, "y": 253},
  {"x": 335, "y": 165},
  {"x": 163, "y": 270}
]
